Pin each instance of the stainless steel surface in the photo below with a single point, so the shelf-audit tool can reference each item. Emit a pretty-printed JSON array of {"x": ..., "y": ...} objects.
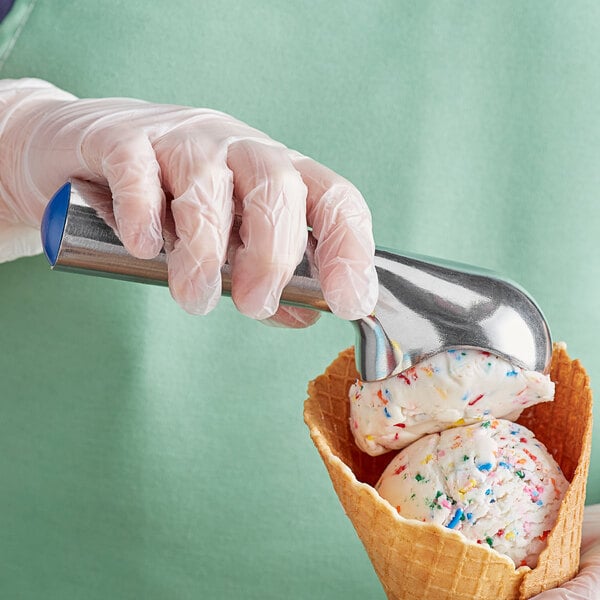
[
  {"x": 425, "y": 305},
  {"x": 90, "y": 246}
]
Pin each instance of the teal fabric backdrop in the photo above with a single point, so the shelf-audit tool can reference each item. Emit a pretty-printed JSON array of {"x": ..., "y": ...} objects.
[{"x": 149, "y": 454}]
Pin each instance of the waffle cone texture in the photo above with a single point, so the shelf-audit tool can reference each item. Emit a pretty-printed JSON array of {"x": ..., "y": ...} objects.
[{"x": 416, "y": 560}]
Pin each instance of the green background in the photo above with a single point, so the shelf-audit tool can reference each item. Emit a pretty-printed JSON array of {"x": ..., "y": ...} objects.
[{"x": 145, "y": 453}]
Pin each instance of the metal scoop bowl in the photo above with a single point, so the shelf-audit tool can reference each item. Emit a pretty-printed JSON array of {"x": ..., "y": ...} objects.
[{"x": 426, "y": 305}]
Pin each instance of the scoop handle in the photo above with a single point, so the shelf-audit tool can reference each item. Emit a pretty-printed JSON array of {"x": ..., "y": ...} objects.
[{"x": 76, "y": 239}]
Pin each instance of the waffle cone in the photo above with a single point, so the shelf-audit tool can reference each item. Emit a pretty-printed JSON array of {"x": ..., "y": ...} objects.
[{"x": 416, "y": 560}]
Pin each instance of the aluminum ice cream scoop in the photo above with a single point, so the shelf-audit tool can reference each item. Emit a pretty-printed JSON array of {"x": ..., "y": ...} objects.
[{"x": 425, "y": 305}]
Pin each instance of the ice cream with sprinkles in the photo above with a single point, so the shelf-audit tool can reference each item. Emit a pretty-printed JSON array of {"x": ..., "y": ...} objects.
[
  {"x": 453, "y": 388},
  {"x": 491, "y": 481}
]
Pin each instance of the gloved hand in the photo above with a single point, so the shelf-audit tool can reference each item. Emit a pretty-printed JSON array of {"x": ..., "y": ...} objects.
[
  {"x": 194, "y": 168},
  {"x": 586, "y": 585}
]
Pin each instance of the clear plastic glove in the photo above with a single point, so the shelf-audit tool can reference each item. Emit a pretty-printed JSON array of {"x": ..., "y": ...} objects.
[
  {"x": 178, "y": 175},
  {"x": 586, "y": 585}
]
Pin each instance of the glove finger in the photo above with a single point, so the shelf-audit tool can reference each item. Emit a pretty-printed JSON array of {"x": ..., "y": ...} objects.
[
  {"x": 133, "y": 174},
  {"x": 195, "y": 173},
  {"x": 293, "y": 317},
  {"x": 341, "y": 222},
  {"x": 590, "y": 568},
  {"x": 273, "y": 230}
]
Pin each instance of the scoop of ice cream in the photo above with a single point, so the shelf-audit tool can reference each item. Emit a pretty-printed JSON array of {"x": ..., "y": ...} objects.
[
  {"x": 456, "y": 387},
  {"x": 492, "y": 481}
]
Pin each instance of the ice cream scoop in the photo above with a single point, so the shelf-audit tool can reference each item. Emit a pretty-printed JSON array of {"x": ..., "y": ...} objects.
[
  {"x": 454, "y": 387},
  {"x": 425, "y": 305},
  {"x": 493, "y": 482}
]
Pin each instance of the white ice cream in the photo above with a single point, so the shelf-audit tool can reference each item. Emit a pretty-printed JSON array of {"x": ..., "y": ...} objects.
[
  {"x": 492, "y": 481},
  {"x": 452, "y": 388}
]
